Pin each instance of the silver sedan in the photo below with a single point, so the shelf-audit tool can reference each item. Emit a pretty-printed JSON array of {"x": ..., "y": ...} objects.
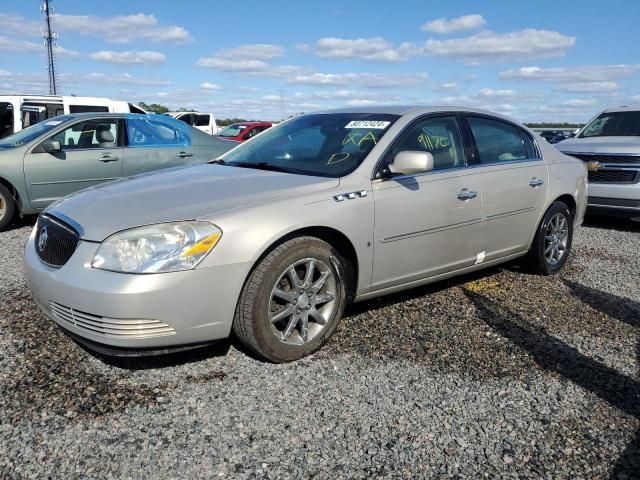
[{"x": 272, "y": 240}]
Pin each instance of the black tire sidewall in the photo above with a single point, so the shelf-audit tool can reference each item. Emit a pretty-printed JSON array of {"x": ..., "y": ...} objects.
[
  {"x": 543, "y": 265},
  {"x": 268, "y": 345},
  {"x": 10, "y": 207}
]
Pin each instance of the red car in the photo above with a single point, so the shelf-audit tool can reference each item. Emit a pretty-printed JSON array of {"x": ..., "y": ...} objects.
[{"x": 243, "y": 131}]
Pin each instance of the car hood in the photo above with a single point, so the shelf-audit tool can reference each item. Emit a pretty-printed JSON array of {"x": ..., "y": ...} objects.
[
  {"x": 611, "y": 145},
  {"x": 178, "y": 194}
]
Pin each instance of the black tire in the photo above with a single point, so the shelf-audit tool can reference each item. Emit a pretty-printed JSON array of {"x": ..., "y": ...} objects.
[
  {"x": 252, "y": 324},
  {"x": 6, "y": 200},
  {"x": 536, "y": 259}
]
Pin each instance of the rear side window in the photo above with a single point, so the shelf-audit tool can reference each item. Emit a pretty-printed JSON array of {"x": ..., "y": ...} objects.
[
  {"x": 499, "y": 142},
  {"x": 202, "y": 121},
  {"x": 87, "y": 108},
  {"x": 156, "y": 131}
]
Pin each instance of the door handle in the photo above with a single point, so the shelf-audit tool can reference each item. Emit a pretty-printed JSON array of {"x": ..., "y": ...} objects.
[
  {"x": 536, "y": 182},
  {"x": 184, "y": 154},
  {"x": 108, "y": 158},
  {"x": 466, "y": 195}
]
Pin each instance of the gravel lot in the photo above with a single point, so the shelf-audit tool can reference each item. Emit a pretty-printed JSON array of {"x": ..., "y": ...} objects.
[{"x": 498, "y": 375}]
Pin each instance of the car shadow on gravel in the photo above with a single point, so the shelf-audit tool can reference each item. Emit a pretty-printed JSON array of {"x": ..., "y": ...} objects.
[
  {"x": 606, "y": 222},
  {"x": 554, "y": 355},
  {"x": 18, "y": 223}
]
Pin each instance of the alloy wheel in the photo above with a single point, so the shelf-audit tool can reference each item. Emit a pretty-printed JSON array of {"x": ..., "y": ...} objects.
[
  {"x": 303, "y": 301},
  {"x": 556, "y": 239}
]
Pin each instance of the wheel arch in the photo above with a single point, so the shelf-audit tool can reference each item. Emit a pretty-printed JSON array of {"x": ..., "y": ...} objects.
[
  {"x": 14, "y": 192},
  {"x": 569, "y": 201},
  {"x": 333, "y": 237}
]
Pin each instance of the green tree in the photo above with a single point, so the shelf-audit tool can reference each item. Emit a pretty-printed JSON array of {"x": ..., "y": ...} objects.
[{"x": 154, "y": 107}]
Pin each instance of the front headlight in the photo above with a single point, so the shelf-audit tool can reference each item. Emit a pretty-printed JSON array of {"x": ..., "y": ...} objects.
[{"x": 166, "y": 247}]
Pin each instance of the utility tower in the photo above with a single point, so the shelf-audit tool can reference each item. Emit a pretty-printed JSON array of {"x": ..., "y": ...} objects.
[{"x": 50, "y": 41}]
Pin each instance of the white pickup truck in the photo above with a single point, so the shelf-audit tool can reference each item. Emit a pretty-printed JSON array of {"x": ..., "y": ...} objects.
[{"x": 205, "y": 122}]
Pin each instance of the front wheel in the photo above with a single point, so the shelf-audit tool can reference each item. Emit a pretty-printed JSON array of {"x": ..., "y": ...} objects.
[
  {"x": 292, "y": 301},
  {"x": 7, "y": 207},
  {"x": 552, "y": 243}
]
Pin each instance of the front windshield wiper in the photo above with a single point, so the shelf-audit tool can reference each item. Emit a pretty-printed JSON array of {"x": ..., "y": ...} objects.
[
  {"x": 217, "y": 161},
  {"x": 262, "y": 166}
]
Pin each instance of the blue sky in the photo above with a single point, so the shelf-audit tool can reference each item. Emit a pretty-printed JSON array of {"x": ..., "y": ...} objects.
[{"x": 535, "y": 61}]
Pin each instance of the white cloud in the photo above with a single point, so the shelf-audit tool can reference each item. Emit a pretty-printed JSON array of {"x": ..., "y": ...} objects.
[
  {"x": 590, "y": 87},
  {"x": 375, "y": 49},
  {"x": 584, "y": 73},
  {"x": 242, "y": 88},
  {"x": 528, "y": 43},
  {"x": 258, "y": 51},
  {"x": 13, "y": 45},
  {"x": 448, "y": 87},
  {"x": 230, "y": 65},
  {"x": 115, "y": 78},
  {"x": 12, "y": 23},
  {"x": 62, "y": 52},
  {"x": 580, "y": 102},
  {"x": 491, "y": 93},
  {"x": 465, "y": 22},
  {"x": 129, "y": 57},
  {"x": 123, "y": 28},
  {"x": 370, "y": 80},
  {"x": 210, "y": 86}
]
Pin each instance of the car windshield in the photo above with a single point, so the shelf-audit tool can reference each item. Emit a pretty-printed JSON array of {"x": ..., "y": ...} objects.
[
  {"x": 32, "y": 132},
  {"x": 613, "y": 124},
  {"x": 326, "y": 145},
  {"x": 232, "y": 130}
]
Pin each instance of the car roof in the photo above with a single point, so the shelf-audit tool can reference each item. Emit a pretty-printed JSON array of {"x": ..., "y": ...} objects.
[
  {"x": 73, "y": 116},
  {"x": 623, "y": 108},
  {"x": 415, "y": 110}
]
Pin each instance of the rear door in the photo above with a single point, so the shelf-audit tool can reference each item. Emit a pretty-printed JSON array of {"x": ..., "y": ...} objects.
[
  {"x": 91, "y": 154},
  {"x": 514, "y": 184},
  {"x": 155, "y": 142}
]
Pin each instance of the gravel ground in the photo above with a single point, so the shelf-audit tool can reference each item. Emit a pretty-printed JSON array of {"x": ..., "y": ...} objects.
[{"x": 499, "y": 375}]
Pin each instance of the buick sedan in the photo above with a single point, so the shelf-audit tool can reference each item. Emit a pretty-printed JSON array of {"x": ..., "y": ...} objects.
[{"x": 274, "y": 238}]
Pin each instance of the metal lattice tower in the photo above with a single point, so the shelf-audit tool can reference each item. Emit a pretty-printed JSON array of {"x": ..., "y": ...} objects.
[{"x": 50, "y": 42}]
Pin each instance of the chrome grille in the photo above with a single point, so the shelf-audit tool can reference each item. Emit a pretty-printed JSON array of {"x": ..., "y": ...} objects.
[
  {"x": 613, "y": 176},
  {"x": 55, "y": 240},
  {"x": 110, "y": 327},
  {"x": 603, "y": 158}
]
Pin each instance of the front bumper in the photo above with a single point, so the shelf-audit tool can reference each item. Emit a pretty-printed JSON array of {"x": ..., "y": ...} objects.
[
  {"x": 135, "y": 311},
  {"x": 618, "y": 199}
]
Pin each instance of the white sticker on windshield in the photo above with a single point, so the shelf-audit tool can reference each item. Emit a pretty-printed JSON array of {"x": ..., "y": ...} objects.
[
  {"x": 377, "y": 124},
  {"x": 53, "y": 123}
]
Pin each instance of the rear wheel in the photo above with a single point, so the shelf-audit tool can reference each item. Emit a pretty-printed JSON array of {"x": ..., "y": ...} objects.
[
  {"x": 7, "y": 207},
  {"x": 292, "y": 302},
  {"x": 552, "y": 243}
]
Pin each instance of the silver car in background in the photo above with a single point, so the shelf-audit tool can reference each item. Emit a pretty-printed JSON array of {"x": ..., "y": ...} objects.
[
  {"x": 610, "y": 147},
  {"x": 276, "y": 237}
]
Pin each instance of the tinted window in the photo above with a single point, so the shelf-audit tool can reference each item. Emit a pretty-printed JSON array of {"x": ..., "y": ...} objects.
[
  {"x": 439, "y": 136},
  {"x": 87, "y": 108},
  {"x": 6, "y": 119},
  {"x": 188, "y": 118},
  {"x": 329, "y": 145},
  {"x": 497, "y": 141},
  {"x": 202, "y": 121},
  {"x": 614, "y": 124},
  {"x": 100, "y": 133},
  {"x": 156, "y": 131},
  {"x": 232, "y": 130}
]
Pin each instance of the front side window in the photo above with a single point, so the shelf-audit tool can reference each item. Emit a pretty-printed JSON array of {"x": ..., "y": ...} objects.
[
  {"x": 440, "y": 136},
  {"x": 613, "y": 124},
  {"x": 202, "y": 121},
  {"x": 327, "y": 145},
  {"x": 497, "y": 141},
  {"x": 87, "y": 108},
  {"x": 156, "y": 131},
  {"x": 6, "y": 119},
  {"x": 95, "y": 133}
]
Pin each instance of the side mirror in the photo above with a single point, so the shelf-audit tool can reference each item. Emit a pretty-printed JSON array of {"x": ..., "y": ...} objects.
[
  {"x": 51, "y": 146},
  {"x": 411, "y": 161}
]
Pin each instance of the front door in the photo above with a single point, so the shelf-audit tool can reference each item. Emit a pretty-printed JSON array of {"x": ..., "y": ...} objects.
[
  {"x": 427, "y": 224},
  {"x": 91, "y": 154},
  {"x": 514, "y": 185}
]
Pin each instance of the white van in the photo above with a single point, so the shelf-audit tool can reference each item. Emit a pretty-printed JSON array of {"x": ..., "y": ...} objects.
[
  {"x": 202, "y": 121},
  {"x": 20, "y": 111}
]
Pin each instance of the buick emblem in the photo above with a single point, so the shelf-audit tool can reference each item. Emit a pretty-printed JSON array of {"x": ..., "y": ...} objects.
[{"x": 42, "y": 240}]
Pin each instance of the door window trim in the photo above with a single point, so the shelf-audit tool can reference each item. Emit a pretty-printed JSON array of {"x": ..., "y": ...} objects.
[
  {"x": 474, "y": 146},
  {"x": 377, "y": 171}
]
